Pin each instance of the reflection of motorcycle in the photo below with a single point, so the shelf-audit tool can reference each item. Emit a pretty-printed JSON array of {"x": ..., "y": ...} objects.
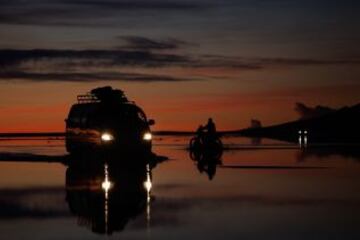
[
  {"x": 205, "y": 143},
  {"x": 207, "y": 162}
]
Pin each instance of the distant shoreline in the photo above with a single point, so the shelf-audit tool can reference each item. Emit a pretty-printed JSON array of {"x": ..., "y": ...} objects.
[{"x": 32, "y": 134}]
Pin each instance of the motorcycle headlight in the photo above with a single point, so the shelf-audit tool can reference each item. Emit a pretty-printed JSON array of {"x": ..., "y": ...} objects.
[
  {"x": 107, "y": 137},
  {"x": 147, "y": 136}
]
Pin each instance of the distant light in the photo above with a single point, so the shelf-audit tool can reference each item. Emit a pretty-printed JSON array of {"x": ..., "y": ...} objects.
[
  {"x": 106, "y": 185},
  {"x": 305, "y": 132},
  {"x": 147, "y": 136},
  {"x": 106, "y": 137},
  {"x": 300, "y": 132}
]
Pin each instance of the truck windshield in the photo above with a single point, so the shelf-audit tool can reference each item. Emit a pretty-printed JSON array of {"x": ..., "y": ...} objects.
[
  {"x": 133, "y": 115},
  {"x": 141, "y": 116}
]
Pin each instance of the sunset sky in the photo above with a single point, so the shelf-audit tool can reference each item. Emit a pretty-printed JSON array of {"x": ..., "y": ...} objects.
[{"x": 181, "y": 61}]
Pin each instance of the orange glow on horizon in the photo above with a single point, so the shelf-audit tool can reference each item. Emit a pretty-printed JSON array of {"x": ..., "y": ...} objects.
[{"x": 230, "y": 111}]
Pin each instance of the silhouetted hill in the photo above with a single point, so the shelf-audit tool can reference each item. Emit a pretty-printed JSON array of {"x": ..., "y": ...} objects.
[{"x": 339, "y": 126}]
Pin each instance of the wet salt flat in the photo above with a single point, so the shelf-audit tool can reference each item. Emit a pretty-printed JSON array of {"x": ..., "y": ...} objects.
[{"x": 255, "y": 190}]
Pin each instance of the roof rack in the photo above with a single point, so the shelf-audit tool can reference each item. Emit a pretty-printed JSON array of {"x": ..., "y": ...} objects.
[
  {"x": 105, "y": 95},
  {"x": 87, "y": 98}
]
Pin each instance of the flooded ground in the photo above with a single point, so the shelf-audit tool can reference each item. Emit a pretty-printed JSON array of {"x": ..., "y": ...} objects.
[{"x": 255, "y": 190}]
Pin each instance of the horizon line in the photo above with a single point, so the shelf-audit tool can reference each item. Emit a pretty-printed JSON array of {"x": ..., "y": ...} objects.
[{"x": 62, "y": 134}]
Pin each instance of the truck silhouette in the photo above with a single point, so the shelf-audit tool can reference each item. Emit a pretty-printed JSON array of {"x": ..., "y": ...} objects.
[{"x": 105, "y": 119}]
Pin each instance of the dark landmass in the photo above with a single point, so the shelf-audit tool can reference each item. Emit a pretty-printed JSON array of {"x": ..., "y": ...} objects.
[
  {"x": 37, "y": 134},
  {"x": 341, "y": 126}
]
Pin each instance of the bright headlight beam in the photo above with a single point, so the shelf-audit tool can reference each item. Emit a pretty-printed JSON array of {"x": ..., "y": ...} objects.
[
  {"x": 106, "y": 137},
  {"x": 147, "y": 136}
]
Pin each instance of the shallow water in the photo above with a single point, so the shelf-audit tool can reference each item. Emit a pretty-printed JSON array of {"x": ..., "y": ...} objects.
[{"x": 256, "y": 190}]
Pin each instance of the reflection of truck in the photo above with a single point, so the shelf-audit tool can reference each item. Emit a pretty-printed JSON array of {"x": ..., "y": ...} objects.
[
  {"x": 106, "y": 196},
  {"x": 105, "y": 119}
]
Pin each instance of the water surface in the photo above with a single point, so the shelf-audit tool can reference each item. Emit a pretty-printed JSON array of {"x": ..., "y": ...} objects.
[{"x": 255, "y": 190}]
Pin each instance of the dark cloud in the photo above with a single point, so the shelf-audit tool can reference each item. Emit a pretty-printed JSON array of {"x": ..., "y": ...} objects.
[
  {"x": 89, "y": 77},
  {"x": 112, "y": 57},
  {"x": 307, "y": 61},
  {"x": 226, "y": 61},
  {"x": 143, "y": 43},
  {"x": 140, "y": 52},
  {"x": 138, "y": 4},
  {"x": 307, "y": 112},
  {"x": 261, "y": 62},
  {"x": 147, "y": 58},
  {"x": 81, "y": 13},
  {"x": 44, "y": 65}
]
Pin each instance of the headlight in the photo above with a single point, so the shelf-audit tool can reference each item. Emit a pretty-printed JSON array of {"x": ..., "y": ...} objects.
[
  {"x": 147, "y": 136},
  {"x": 106, "y": 137}
]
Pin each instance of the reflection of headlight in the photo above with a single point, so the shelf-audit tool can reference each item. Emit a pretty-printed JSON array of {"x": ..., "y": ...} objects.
[
  {"x": 147, "y": 185},
  {"x": 106, "y": 185},
  {"x": 106, "y": 137},
  {"x": 147, "y": 136}
]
